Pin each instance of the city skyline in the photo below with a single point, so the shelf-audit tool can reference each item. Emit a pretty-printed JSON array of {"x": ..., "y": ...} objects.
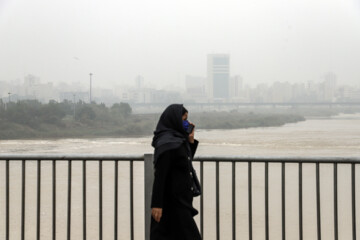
[
  {"x": 180, "y": 84},
  {"x": 180, "y": 81},
  {"x": 327, "y": 90}
]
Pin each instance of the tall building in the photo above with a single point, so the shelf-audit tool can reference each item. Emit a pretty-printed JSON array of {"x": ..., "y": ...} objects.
[
  {"x": 327, "y": 88},
  {"x": 34, "y": 89},
  {"x": 218, "y": 74},
  {"x": 235, "y": 86},
  {"x": 139, "y": 82}
]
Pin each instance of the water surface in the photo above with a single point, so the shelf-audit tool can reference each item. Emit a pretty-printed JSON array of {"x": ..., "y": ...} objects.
[{"x": 336, "y": 136}]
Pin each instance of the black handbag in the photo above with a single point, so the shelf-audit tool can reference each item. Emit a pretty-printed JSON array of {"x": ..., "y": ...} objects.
[{"x": 196, "y": 187}]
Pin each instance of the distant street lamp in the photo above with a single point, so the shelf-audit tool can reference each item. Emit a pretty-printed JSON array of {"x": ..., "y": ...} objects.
[
  {"x": 90, "y": 85},
  {"x": 74, "y": 104}
]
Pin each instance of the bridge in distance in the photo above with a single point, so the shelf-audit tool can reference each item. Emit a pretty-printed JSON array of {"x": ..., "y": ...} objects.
[{"x": 234, "y": 105}]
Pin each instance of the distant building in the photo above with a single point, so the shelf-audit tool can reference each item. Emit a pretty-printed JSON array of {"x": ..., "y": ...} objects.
[
  {"x": 31, "y": 80},
  {"x": 34, "y": 89},
  {"x": 235, "y": 87},
  {"x": 162, "y": 96},
  {"x": 328, "y": 87},
  {"x": 142, "y": 95},
  {"x": 348, "y": 94},
  {"x": 280, "y": 92},
  {"x": 259, "y": 94},
  {"x": 299, "y": 93},
  {"x": 218, "y": 76},
  {"x": 195, "y": 88},
  {"x": 5, "y": 89},
  {"x": 139, "y": 82}
]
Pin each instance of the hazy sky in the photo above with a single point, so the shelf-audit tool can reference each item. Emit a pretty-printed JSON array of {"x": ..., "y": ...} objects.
[{"x": 163, "y": 40}]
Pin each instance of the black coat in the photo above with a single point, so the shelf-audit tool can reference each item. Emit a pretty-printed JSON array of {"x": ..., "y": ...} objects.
[{"x": 172, "y": 192}]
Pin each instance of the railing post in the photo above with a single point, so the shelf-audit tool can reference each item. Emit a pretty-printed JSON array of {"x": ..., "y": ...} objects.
[{"x": 148, "y": 178}]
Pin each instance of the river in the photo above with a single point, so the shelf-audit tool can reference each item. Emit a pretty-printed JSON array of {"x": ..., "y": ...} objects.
[{"x": 335, "y": 136}]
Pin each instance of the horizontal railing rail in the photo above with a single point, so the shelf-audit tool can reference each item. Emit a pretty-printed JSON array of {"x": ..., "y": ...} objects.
[
  {"x": 92, "y": 157},
  {"x": 233, "y": 161},
  {"x": 278, "y": 159},
  {"x": 140, "y": 157}
]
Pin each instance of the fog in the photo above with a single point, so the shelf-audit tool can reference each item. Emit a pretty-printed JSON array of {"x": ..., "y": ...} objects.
[{"x": 163, "y": 41}]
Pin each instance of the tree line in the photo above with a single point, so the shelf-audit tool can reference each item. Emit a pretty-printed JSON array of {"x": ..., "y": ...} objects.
[
  {"x": 34, "y": 113},
  {"x": 31, "y": 118}
]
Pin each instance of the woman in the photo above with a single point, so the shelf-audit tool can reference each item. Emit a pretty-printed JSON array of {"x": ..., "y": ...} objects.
[{"x": 174, "y": 184}]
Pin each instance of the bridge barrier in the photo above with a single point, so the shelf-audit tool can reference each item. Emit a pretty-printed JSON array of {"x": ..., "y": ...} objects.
[{"x": 147, "y": 159}]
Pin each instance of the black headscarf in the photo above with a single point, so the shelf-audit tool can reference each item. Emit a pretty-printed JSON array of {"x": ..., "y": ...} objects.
[{"x": 169, "y": 133}]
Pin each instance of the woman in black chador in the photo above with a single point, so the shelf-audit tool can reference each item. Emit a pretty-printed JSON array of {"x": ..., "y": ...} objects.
[{"x": 175, "y": 182}]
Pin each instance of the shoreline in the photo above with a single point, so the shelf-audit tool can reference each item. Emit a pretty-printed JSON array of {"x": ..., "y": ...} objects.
[
  {"x": 108, "y": 133},
  {"x": 70, "y": 134}
]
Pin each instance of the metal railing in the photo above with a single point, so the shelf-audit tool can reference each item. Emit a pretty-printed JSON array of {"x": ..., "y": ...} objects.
[
  {"x": 148, "y": 179},
  {"x": 69, "y": 158},
  {"x": 283, "y": 160}
]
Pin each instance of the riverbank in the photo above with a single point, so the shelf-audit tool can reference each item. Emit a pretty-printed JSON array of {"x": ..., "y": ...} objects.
[
  {"x": 138, "y": 125},
  {"x": 34, "y": 120}
]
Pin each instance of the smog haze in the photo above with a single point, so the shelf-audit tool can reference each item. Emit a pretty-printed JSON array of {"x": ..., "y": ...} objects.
[{"x": 163, "y": 41}]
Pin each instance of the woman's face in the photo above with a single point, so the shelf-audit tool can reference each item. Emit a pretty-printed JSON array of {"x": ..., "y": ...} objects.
[{"x": 185, "y": 116}]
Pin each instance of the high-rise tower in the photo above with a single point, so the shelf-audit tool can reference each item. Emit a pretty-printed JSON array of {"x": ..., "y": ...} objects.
[{"x": 218, "y": 74}]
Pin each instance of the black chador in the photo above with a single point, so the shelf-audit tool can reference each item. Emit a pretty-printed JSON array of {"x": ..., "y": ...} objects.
[{"x": 174, "y": 179}]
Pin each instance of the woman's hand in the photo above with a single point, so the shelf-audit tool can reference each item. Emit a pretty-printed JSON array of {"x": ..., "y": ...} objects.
[
  {"x": 192, "y": 134},
  {"x": 156, "y": 213}
]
